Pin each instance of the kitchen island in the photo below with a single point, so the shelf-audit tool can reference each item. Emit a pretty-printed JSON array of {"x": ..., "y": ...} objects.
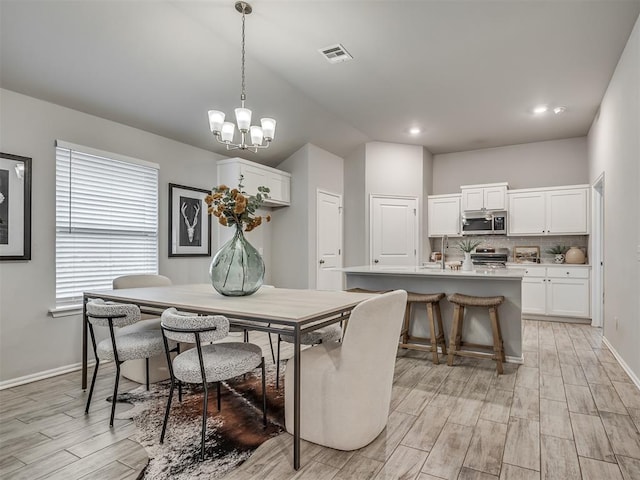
[{"x": 479, "y": 282}]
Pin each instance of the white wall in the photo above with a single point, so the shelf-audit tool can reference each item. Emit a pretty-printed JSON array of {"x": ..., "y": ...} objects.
[
  {"x": 540, "y": 164},
  {"x": 355, "y": 235},
  {"x": 31, "y": 341},
  {"x": 614, "y": 148},
  {"x": 294, "y": 228},
  {"x": 290, "y": 254}
]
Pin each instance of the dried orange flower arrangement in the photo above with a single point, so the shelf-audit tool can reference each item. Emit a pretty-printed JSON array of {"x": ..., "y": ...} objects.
[{"x": 236, "y": 207}]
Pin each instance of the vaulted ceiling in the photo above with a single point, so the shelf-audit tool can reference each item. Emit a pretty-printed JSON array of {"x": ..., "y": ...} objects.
[{"x": 466, "y": 72}]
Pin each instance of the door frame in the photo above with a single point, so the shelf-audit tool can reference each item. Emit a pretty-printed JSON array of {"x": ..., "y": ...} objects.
[
  {"x": 597, "y": 251},
  {"x": 341, "y": 227},
  {"x": 418, "y": 247}
]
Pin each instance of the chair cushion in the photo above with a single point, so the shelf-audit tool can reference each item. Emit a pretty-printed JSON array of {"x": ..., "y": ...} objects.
[
  {"x": 221, "y": 361},
  {"x": 471, "y": 301},
  {"x": 143, "y": 344},
  {"x": 330, "y": 333},
  {"x": 141, "y": 326}
]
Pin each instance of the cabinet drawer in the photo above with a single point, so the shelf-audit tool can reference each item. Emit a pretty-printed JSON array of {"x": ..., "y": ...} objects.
[
  {"x": 535, "y": 272},
  {"x": 567, "y": 272}
]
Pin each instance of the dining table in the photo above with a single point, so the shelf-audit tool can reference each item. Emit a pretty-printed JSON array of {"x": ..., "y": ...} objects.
[{"x": 283, "y": 311}]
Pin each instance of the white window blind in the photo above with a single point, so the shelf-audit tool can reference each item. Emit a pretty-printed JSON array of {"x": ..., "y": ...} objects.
[{"x": 106, "y": 221}]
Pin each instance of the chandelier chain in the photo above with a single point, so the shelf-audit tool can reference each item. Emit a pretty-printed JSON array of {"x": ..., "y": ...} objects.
[{"x": 242, "y": 96}]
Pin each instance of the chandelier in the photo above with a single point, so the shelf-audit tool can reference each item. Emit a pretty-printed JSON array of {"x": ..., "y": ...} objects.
[{"x": 252, "y": 137}]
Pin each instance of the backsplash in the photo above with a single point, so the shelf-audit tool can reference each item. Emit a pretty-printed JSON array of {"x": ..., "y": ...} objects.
[{"x": 501, "y": 241}]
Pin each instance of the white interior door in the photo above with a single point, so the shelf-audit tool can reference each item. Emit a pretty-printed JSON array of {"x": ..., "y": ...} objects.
[
  {"x": 329, "y": 240},
  {"x": 394, "y": 230}
]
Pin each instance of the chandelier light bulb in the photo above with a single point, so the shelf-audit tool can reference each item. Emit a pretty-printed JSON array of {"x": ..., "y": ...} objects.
[
  {"x": 216, "y": 119},
  {"x": 243, "y": 119},
  {"x": 268, "y": 128},
  {"x": 252, "y": 138},
  {"x": 256, "y": 135},
  {"x": 228, "y": 129},
  {"x": 540, "y": 109}
]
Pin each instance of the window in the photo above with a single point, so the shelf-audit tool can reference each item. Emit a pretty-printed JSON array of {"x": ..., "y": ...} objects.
[{"x": 106, "y": 219}]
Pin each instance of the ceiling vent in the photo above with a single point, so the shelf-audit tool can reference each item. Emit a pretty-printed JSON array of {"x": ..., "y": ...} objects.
[{"x": 335, "y": 53}]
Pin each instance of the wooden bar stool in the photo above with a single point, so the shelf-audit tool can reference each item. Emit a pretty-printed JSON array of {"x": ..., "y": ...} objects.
[
  {"x": 455, "y": 344},
  {"x": 432, "y": 302}
]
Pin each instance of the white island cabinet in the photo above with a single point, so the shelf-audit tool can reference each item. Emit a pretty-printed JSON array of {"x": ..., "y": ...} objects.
[
  {"x": 549, "y": 211},
  {"x": 556, "y": 290},
  {"x": 477, "y": 329},
  {"x": 255, "y": 175}
]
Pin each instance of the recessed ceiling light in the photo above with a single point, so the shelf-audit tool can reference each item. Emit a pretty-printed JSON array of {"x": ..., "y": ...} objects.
[
  {"x": 415, "y": 130},
  {"x": 540, "y": 109},
  {"x": 559, "y": 110}
]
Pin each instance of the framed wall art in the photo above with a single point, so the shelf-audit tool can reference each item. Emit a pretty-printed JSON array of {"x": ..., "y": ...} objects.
[
  {"x": 526, "y": 254},
  {"x": 15, "y": 207},
  {"x": 189, "y": 222}
]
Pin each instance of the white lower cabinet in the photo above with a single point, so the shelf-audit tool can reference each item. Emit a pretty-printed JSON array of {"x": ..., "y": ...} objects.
[{"x": 556, "y": 291}]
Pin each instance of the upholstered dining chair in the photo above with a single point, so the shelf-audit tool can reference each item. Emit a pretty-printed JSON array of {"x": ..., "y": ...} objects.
[
  {"x": 152, "y": 369},
  {"x": 204, "y": 364},
  {"x": 345, "y": 388},
  {"x": 121, "y": 347},
  {"x": 330, "y": 333}
]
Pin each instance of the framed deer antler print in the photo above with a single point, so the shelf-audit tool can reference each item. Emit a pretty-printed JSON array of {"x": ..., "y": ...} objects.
[{"x": 189, "y": 222}]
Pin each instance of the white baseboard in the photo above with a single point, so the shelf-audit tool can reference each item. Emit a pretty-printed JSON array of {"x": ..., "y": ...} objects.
[
  {"x": 623, "y": 364},
  {"x": 34, "y": 377}
]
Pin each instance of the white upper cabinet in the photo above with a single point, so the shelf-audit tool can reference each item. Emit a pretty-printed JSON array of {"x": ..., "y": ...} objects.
[
  {"x": 443, "y": 215},
  {"x": 552, "y": 211},
  {"x": 484, "y": 197},
  {"x": 567, "y": 211},
  {"x": 256, "y": 175}
]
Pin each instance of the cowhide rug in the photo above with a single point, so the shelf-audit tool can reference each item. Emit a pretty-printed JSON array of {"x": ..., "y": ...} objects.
[{"x": 232, "y": 434}]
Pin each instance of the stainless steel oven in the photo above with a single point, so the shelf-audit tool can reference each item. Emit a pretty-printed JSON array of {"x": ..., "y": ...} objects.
[{"x": 484, "y": 223}]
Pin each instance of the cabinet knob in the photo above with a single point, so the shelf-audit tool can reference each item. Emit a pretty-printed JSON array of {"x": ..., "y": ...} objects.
[
  {"x": 321, "y": 261},
  {"x": 375, "y": 261}
]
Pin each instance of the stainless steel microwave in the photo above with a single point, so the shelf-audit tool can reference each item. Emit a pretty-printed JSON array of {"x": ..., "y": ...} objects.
[{"x": 484, "y": 223}]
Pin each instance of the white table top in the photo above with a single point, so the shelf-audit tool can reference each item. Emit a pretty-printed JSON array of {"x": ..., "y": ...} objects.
[{"x": 278, "y": 305}]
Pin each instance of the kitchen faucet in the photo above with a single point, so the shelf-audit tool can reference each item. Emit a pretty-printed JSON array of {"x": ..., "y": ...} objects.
[{"x": 445, "y": 242}]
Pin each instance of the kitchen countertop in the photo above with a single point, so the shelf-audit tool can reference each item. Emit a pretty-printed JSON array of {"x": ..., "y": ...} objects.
[{"x": 430, "y": 271}]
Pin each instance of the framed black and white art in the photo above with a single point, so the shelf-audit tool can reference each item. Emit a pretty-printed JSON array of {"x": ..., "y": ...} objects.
[
  {"x": 15, "y": 207},
  {"x": 189, "y": 222}
]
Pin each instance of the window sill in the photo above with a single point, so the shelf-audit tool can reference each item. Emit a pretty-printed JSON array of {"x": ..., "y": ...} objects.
[{"x": 66, "y": 311}]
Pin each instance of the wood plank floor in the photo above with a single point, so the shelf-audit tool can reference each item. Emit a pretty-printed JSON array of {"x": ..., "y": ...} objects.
[{"x": 570, "y": 412}]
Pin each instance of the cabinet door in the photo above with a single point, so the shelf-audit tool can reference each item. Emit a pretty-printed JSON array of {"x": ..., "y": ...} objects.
[
  {"x": 526, "y": 213},
  {"x": 567, "y": 211},
  {"x": 443, "y": 216},
  {"x": 472, "y": 199},
  {"x": 279, "y": 186},
  {"x": 253, "y": 178},
  {"x": 495, "y": 198},
  {"x": 534, "y": 295},
  {"x": 568, "y": 297}
]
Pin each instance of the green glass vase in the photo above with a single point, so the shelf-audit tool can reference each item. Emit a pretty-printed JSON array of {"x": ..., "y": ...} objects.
[{"x": 237, "y": 269}]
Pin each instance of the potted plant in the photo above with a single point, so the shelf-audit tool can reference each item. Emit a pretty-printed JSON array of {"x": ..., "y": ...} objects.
[
  {"x": 467, "y": 246},
  {"x": 558, "y": 251}
]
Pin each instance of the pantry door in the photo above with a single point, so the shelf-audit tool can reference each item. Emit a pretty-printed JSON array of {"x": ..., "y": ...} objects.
[
  {"x": 329, "y": 241},
  {"x": 394, "y": 230}
]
